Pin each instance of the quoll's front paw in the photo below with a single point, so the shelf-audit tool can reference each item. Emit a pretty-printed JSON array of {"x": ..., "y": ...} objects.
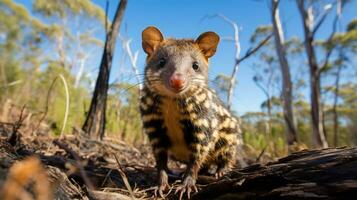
[
  {"x": 163, "y": 184},
  {"x": 188, "y": 185},
  {"x": 221, "y": 172}
]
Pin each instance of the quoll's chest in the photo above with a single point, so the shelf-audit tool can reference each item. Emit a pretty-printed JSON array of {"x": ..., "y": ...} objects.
[{"x": 172, "y": 116}]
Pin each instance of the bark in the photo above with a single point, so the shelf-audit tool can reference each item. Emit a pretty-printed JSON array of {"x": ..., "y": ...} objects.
[
  {"x": 94, "y": 124},
  {"x": 319, "y": 139},
  {"x": 317, "y": 174},
  {"x": 291, "y": 134}
]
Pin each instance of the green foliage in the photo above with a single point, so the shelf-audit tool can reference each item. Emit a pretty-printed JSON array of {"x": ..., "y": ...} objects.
[
  {"x": 221, "y": 85},
  {"x": 261, "y": 133},
  {"x": 260, "y": 32},
  {"x": 65, "y": 8},
  {"x": 123, "y": 112},
  {"x": 352, "y": 25}
]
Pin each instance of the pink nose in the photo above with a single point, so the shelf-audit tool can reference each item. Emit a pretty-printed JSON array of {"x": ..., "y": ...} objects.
[{"x": 177, "y": 81}]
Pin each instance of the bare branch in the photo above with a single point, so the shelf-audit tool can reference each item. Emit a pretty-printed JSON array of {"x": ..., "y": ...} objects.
[
  {"x": 132, "y": 57},
  {"x": 237, "y": 58},
  {"x": 319, "y": 23},
  {"x": 329, "y": 50},
  {"x": 237, "y": 54},
  {"x": 251, "y": 51},
  {"x": 322, "y": 19}
]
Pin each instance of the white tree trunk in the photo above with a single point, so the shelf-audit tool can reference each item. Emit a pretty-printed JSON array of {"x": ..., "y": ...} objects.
[
  {"x": 319, "y": 139},
  {"x": 291, "y": 134}
]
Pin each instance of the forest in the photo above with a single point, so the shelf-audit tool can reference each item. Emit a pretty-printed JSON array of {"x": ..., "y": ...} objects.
[{"x": 63, "y": 94}]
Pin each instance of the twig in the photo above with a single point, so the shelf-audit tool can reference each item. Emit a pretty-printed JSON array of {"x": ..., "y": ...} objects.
[
  {"x": 16, "y": 126},
  {"x": 261, "y": 154},
  {"x": 106, "y": 178},
  {"x": 322, "y": 19},
  {"x": 18, "y": 123},
  {"x": 124, "y": 177},
  {"x": 330, "y": 50},
  {"x": 78, "y": 162},
  {"x": 319, "y": 23}
]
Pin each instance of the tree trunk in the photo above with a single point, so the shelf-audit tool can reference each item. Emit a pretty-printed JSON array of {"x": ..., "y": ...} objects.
[
  {"x": 319, "y": 139},
  {"x": 334, "y": 110},
  {"x": 94, "y": 124},
  {"x": 291, "y": 134}
]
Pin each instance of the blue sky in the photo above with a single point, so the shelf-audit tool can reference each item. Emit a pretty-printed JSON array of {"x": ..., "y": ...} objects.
[{"x": 183, "y": 19}]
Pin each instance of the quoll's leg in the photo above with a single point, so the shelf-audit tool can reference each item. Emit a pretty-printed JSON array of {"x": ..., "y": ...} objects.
[
  {"x": 225, "y": 156},
  {"x": 189, "y": 179},
  {"x": 161, "y": 157},
  {"x": 199, "y": 153},
  {"x": 161, "y": 162},
  {"x": 224, "y": 163},
  {"x": 153, "y": 127}
]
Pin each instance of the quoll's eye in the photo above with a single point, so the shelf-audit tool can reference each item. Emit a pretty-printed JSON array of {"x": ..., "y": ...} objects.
[
  {"x": 162, "y": 62},
  {"x": 195, "y": 66}
]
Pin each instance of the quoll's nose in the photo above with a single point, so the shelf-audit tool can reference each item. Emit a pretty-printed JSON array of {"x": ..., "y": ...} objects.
[{"x": 177, "y": 81}]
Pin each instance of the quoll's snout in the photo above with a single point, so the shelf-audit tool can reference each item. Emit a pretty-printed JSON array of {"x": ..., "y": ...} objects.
[{"x": 177, "y": 81}]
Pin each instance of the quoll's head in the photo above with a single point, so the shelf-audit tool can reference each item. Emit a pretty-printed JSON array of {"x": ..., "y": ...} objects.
[{"x": 177, "y": 67}]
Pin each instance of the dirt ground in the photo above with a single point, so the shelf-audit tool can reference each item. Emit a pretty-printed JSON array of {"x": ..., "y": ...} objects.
[{"x": 92, "y": 169}]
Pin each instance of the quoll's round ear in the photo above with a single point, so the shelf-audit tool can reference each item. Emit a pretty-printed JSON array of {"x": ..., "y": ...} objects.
[
  {"x": 208, "y": 42},
  {"x": 151, "y": 38}
]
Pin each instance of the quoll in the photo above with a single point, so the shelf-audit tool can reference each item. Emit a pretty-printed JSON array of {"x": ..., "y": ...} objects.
[{"x": 181, "y": 115}]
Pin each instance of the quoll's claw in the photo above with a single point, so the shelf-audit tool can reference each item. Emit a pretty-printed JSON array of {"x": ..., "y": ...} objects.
[
  {"x": 163, "y": 184},
  {"x": 187, "y": 186},
  {"x": 219, "y": 174},
  {"x": 161, "y": 189}
]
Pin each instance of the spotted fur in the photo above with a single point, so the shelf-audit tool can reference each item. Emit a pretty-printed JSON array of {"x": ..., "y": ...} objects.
[{"x": 192, "y": 126}]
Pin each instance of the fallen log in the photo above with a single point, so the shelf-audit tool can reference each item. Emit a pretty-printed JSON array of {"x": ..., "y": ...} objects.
[{"x": 313, "y": 174}]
